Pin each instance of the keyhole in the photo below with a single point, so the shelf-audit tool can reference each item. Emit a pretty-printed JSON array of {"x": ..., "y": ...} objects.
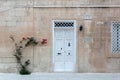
[
  {"x": 69, "y": 44},
  {"x": 61, "y": 48},
  {"x": 68, "y": 53}
]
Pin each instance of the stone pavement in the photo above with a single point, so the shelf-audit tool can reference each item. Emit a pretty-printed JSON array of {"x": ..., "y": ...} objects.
[{"x": 61, "y": 76}]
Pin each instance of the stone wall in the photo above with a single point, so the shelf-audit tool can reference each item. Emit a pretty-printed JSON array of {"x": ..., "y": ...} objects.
[
  {"x": 23, "y": 18},
  {"x": 14, "y": 20}
]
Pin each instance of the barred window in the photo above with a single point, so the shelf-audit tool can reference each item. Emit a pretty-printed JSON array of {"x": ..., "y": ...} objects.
[{"x": 115, "y": 37}]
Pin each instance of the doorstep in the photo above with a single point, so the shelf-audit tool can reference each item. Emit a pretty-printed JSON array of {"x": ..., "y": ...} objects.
[{"x": 61, "y": 76}]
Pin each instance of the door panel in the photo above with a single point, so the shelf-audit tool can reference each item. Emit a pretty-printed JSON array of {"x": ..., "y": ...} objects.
[
  {"x": 59, "y": 46},
  {"x": 68, "y": 56},
  {"x": 69, "y": 33},
  {"x": 69, "y": 66},
  {"x": 59, "y": 66},
  {"x": 69, "y": 46}
]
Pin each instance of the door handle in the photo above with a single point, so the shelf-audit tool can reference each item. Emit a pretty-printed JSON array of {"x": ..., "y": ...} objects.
[
  {"x": 69, "y": 44},
  {"x": 68, "y": 54},
  {"x": 58, "y": 53}
]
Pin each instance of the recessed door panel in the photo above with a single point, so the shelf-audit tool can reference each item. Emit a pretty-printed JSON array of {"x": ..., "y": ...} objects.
[
  {"x": 59, "y": 55},
  {"x": 69, "y": 66},
  {"x": 59, "y": 66},
  {"x": 59, "y": 45}
]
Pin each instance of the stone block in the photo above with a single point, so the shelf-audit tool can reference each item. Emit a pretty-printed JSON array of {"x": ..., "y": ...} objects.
[
  {"x": 2, "y": 18},
  {"x": 6, "y": 52},
  {"x": 11, "y": 24},
  {"x": 7, "y": 60},
  {"x": 7, "y": 65},
  {"x": 113, "y": 64},
  {"x": 115, "y": 2},
  {"x": 20, "y": 3},
  {"x": 11, "y": 12},
  {"x": 11, "y": 18},
  {"x": 18, "y": 24},
  {"x": 3, "y": 24},
  {"x": 20, "y": 12}
]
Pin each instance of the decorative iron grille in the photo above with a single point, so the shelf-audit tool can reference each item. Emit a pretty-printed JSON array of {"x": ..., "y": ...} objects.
[
  {"x": 115, "y": 37},
  {"x": 63, "y": 24}
]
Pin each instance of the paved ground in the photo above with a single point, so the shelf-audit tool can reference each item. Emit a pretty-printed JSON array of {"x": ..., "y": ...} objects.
[{"x": 62, "y": 76}]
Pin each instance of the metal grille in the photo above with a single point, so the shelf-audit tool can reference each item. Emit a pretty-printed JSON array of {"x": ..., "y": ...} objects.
[
  {"x": 115, "y": 37},
  {"x": 63, "y": 24}
]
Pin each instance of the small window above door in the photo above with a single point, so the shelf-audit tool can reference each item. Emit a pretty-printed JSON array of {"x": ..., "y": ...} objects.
[{"x": 63, "y": 23}]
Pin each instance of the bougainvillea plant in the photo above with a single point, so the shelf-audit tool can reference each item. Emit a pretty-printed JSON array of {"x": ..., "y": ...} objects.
[{"x": 22, "y": 44}]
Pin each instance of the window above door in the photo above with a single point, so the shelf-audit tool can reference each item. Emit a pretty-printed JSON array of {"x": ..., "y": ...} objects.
[{"x": 64, "y": 23}]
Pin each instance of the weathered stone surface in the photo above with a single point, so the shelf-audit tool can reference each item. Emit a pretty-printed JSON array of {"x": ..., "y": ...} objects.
[{"x": 22, "y": 19}]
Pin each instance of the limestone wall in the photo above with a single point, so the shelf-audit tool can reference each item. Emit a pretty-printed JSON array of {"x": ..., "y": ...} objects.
[{"x": 23, "y": 18}]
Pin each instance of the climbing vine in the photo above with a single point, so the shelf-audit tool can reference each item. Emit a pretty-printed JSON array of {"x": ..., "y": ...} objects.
[{"x": 19, "y": 47}]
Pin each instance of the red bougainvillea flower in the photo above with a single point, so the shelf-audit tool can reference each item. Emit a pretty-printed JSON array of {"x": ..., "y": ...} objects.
[
  {"x": 44, "y": 41},
  {"x": 28, "y": 38},
  {"x": 24, "y": 38}
]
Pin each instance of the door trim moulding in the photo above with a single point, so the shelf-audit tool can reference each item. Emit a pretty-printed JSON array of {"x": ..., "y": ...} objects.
[{"x": 53, "y": 27}]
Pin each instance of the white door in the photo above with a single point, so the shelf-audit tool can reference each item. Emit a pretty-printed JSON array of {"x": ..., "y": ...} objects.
[{"x": 64, "y": 47}]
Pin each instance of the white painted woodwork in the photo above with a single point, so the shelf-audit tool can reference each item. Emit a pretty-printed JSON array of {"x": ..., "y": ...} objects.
[{"x": 64, "y": 46}]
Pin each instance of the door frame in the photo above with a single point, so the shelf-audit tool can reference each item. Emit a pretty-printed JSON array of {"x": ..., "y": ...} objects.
[{"x": 53, "y": 21}]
